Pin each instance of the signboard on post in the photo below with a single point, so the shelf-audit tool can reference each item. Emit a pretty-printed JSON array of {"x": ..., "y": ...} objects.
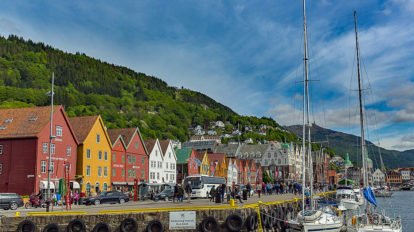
[{"x": 183, "y": 220}]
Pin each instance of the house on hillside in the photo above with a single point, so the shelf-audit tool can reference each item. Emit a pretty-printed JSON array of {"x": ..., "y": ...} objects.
[
  {"x": 136, "y": 157},
  {"x": 169, "y": 162},
  {"x": 187, "y": 163},
  {"x": 156, "y": 159},
  {"x": 94, "y": 153},
  {"x": 25, "y": 146}
]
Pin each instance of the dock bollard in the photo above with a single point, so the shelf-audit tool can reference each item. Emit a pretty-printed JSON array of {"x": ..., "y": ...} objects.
[{"x": 232, "y": 202}]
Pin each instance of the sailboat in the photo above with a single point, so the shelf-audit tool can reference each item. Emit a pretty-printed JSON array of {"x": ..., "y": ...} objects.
[
  {"x": 346, "y": 196},
  {"x": 382, "y": 191},
  {"x": 370, "y": 220},
  {"x": 310, "y": 219}
]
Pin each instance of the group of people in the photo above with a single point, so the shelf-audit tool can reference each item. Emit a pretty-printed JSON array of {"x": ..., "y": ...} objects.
[
  {"x": 281, "y": 188},
  {"x": 179, "y": 192}
]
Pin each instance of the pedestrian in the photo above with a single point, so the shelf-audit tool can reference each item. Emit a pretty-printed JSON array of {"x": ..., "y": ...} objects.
[
  {"x": 249, "y": 189},
  {"x": 188, "y": 191},
  {"x": 175, "y": 193},
  {"x": 76, "y": 198},
  {"x": 180, "y": 193},
  {"x": 223, "y": 191},
  {"x": 236, "y": 195},
  {"x": 212, "y": 193},
  {"x": 259, "y": 191}
]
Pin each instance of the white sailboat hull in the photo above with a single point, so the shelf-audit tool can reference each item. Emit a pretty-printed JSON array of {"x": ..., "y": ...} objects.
[
  {"x": 373, "y": 228},
  {"x": 350, "y": 204},
  {"x": 322, "y": 222}
]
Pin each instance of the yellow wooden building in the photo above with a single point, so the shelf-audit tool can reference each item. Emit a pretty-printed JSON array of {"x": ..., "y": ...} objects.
[
  {"x": 204, "y": 165},
  {"x": 94, "y": 154}
]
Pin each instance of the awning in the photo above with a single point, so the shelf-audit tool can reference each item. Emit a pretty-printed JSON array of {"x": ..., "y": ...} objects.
[
  {"x": 119, "y": 183},
  {"x": 43, "y": 185},
  {"x": 75, "y": 185}
]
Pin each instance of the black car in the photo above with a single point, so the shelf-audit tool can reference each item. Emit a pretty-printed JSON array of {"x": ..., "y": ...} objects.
[
  {"x": 10, "y": 201},
  {"x": 164, "y": 195},
  {"x": 107, "y": 197}
]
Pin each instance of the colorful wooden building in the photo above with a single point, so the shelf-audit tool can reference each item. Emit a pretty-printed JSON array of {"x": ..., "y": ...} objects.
[
  {"x": 186, "y": 163},
  {"x": 203, "y": 163},
  {"x": 94, "y": 153},
  {"x": 25, "y": 146}
]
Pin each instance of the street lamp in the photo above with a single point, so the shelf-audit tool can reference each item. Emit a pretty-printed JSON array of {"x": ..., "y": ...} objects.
[{"x": 49, "y": 170}]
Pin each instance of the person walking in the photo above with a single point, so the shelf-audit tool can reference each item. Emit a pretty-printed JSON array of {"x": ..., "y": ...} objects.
[
  {"x": 223, "y": 191},
  {"x": 188, "y": 190},
  {"x": 175, "y": 193},
  {"x": 180, "y": 193},
  {"x": 249, "y": 189},
  {"x": 212, "y": 193}
]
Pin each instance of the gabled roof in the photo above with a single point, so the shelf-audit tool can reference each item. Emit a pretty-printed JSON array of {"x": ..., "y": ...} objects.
[
  {"x": 28, "y": 122},
  {"x": 126, "y": 133},
  {"x": 183, "y": 155},
  {"x": 230, "y": 149},
  {"x": 220, "y": 157},
  {"x": 200, "y": 155},
  {"x": 150, "y": 143},
  {"x": 82, "y": 126},
  {"x": 164, "y": 145}
]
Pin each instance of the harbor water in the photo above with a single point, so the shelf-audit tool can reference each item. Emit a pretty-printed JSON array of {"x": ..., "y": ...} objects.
[{"x": 400, "y": 204}]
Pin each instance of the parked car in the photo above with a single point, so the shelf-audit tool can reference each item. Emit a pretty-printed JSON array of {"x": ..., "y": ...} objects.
[
  {"x": 110, "y": 197},
  {"x": 164, "y": 195},
  {"x": 10, "y": 201}
]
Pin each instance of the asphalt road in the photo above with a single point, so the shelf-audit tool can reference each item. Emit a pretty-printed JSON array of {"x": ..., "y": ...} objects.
[{"x": 91, "y": 209}]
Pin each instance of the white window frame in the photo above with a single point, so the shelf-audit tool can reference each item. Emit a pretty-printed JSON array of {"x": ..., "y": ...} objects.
[
  {"x": 43, "y": 166},
  {"x": 105, "y": 155},
  {"x": 88, "y": 170},
  {"x": 98, "y": 138},
  {"x": 1, "y": 149},
  {"x": 52, "y": 167},
  {"x": 88, "y": 153},
  {"x": 45, "y": 148},
  {"x": 52, "y": 148},
  {"x": 68, "y": 151},
  {"x": 105, "y": 172},
  {"x": 99, "y": 171},
  {"x": 1, "y": 168},
  {"x": 59, "y": 131},
  {"x": 99, "y": 155}
]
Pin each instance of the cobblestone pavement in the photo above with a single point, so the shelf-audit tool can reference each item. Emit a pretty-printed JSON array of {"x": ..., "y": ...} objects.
[{"x": 149, "y": 204}]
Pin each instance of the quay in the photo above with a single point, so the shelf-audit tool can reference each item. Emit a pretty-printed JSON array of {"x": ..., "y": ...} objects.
[{"x": 255, "y": 214}]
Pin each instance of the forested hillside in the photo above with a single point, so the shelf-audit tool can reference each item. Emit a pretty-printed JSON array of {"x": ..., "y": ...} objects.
[
  {"x": 123, "y": 97},
  {"x": 343, "y": 143}
]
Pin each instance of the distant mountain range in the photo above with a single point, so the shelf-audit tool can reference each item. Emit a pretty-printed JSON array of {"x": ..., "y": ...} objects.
[{"x": 343, "y": 143}]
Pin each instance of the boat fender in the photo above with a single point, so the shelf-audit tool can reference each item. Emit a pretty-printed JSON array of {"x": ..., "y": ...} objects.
[
  {"x": 76, "y": 225},
  {"x": 354, "y": 220},
  {"x": 274, "y": 217},
  {"x": 26, "y": 226},
  {"x": 234, "y": 223},
  {"x": 251, "y": 222},
  {"x": 155, "y": 226},
  {"x": 289, "y": 212},
  {"x": 129, "y": 225},
  {"x": 209, "y": 224},
  {"x": 101, "y": 227},
  {"x": 53, "y": 227}
]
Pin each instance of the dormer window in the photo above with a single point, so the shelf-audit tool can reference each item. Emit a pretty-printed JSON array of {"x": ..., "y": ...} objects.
[{"x": 98, "y": 138}]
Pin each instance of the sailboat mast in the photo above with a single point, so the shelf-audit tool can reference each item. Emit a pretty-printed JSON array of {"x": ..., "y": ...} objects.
[
  {"x": 361, "y": 109},
  {"x": 305, "y": 105}
]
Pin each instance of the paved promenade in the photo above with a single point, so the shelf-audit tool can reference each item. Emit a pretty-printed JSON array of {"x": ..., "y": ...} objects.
[{"x": 92, "y": 209}]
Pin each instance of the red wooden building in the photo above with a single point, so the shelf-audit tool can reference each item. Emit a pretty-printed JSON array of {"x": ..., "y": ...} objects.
[
  {"x": 118, "y": 178},
  {"x": 136, "y": 156},
  {"x": 24, "y": 149},
  {"x": 186, "y": 163}
]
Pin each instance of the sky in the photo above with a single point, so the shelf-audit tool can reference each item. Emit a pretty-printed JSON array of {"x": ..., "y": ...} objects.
[{"x": 248, "y": 54}]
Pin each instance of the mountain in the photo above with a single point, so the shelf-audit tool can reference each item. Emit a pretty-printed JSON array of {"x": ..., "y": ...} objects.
[
  {"x": 123, "y": 97},
  {"x": 343, "y": 143}
]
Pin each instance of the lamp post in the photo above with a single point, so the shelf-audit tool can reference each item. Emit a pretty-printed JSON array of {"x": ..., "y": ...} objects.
[{"x": 49, "y": 170}]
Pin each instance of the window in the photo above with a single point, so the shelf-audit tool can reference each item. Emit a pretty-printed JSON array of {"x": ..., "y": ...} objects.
[
  {"x": 156, "y": 153},
  {"x": 45, "y": 147},
  {"x": 68, "y": 150},
  {"x": 88, "y": 170},
  {"x": 152, "y": 175},
  {"x": 158, "y": 175},
  {"x": 123, "y": 158},
  {"x": 166, "y": 177},
  {"x": 268, "y": 155},
  {"x": 58, "y": 131},
  {"x": 98, "y": 138},
  {"x": 105, "y": 171},
  {"x": 113, "y": 171},
  {"x": 88, "y": 187},
  {"x": 114, "y": 157},
  {"x": 159, "y": 164},
  {"x": 52, "y": 167},
  {"x": 143, "y": 161},
  {"x": 172, "y": 166},
  {"x": 100, "y": 155},
  {"x": 52, "y": 148},
  {"x": 43, "y": 166},
  {"x": 123, "y": 172},
  {"x": 172, "y": 177},
  {"x": 99, "y": 171},
  {"x": 136, "y": 145},
  {"x": 1, "y": 149},
  {"x": 105, "y": 155},
  {"x": 169, "y": 154},
  {"x": 142, "y": 174},
  {"x": 1, "y": 169},
  {"x": 88, "y": 153},
  {"x": 166, "y": 165},
  {"x": 105, "y": 187}
]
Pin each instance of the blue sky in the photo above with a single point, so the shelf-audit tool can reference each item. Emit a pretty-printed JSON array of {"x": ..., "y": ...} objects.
[{"x": 248, "y": 54}]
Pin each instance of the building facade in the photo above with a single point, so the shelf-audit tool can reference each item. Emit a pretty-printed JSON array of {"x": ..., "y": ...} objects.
[
  {"x": 169, "y": 162},
  {"x": 187, "y": 164},
  {"x": 94, "y": 154},
  {"x": 25, "y": 146}
]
